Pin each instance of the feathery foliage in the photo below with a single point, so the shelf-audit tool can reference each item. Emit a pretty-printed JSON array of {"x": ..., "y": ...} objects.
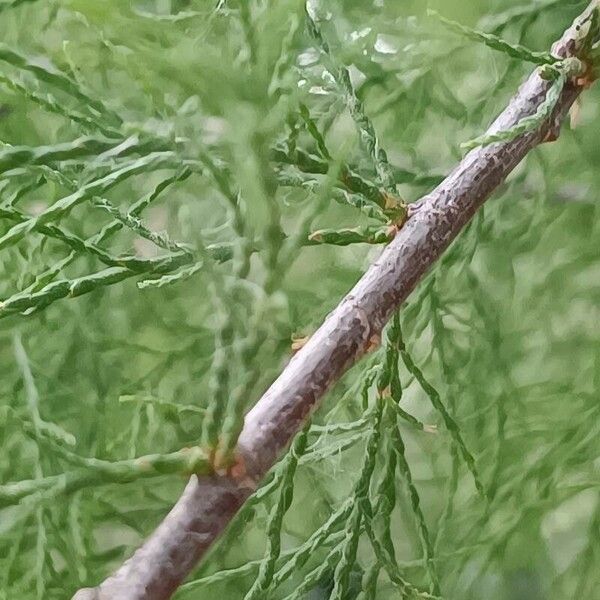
[{"x": 189, "y": 186}]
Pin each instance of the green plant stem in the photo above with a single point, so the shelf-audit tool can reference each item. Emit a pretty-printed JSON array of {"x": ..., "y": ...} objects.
[{"x": 95, "y": 472}]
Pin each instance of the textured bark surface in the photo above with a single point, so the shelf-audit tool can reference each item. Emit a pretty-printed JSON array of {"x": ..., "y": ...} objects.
[{"x": 209, "y": 503}]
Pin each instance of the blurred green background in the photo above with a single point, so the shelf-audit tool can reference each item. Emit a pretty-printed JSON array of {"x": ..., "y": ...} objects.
[{"x": 507, "y": 326}]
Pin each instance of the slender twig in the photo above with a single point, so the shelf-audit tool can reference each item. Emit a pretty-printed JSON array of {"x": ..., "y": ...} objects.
[
  {"x": 93, "y": 471},
  {"x": 209, "y": 503}
]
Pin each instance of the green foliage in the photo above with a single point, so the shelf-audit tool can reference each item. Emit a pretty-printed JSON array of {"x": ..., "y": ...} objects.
[
  {"x": 526, "y": 124},
  {"x": 495, "y": 42},
  {"x": 186, "y": 186}
]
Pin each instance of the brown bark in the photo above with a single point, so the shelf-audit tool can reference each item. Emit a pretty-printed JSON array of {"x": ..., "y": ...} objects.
[{"x": 209, "y": 503}]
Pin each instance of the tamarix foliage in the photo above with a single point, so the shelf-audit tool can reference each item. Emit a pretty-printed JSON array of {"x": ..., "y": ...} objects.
[{"x": 187, "y": 188}]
